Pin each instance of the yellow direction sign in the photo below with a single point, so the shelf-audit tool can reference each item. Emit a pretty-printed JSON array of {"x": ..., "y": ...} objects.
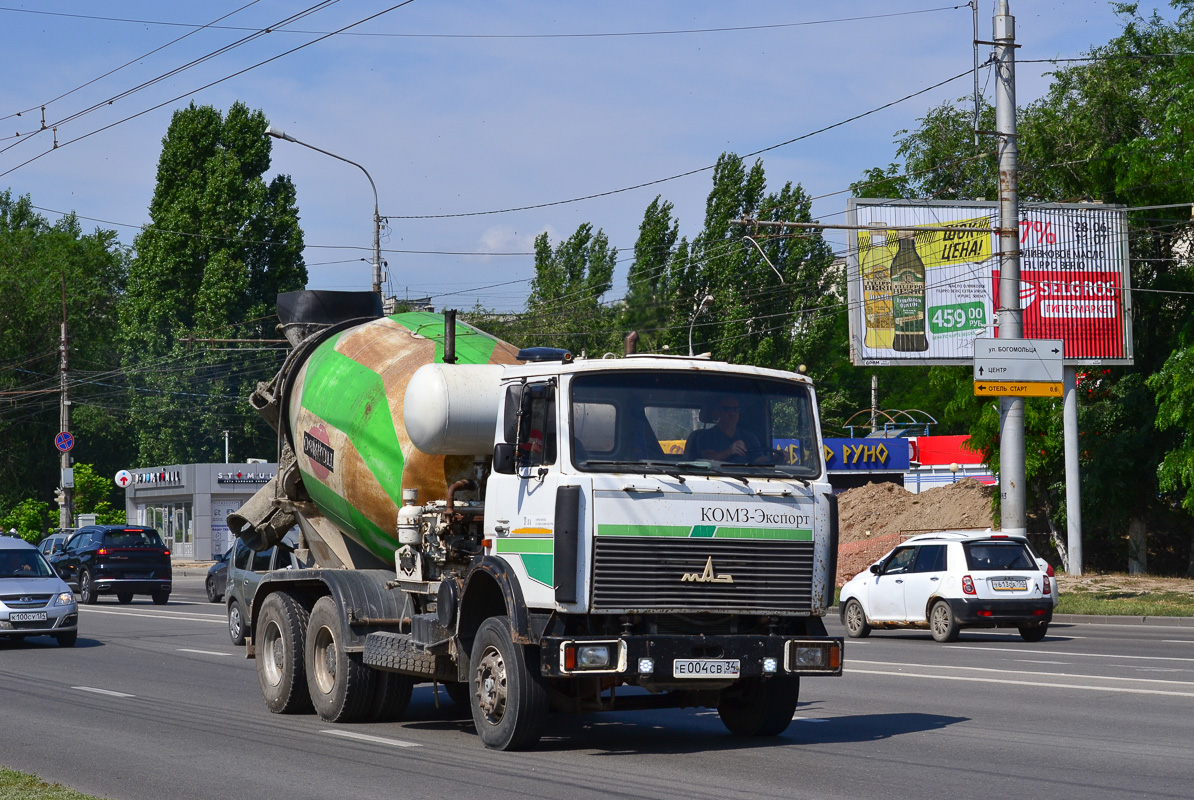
[{"x": 1017, "y": 389}]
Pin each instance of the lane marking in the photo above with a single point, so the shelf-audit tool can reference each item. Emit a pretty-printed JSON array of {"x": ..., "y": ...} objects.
[
  {"x": 1031, "y": 672},
  {"x": 1038, "y": 661},
  {"x": 1067, "y": 655},
  {"x": 1178, "y": 641},
  {"x": 148, "y": 611},
  {"x": 218, "y": 620},
  {"x": 1120, "y": 689},
  {"x": 364, "y": 737},
  {"x": 202, "y": 652},
  {"x": 808, "y": 719},
  {"x": 107, "y": 692}
]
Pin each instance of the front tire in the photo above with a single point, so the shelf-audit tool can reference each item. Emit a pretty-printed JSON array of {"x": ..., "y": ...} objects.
[
  {"x": 759, "y": 707},
  {"x": 67, "y": 639},
  {"x": 1034, "y": 633},
  {"x": 281, "y": 629},
  {"x": 236, "y": 624},
  {"x": 509, "y": 697},
  {"x": 210, "y": 585},
  {"x": 855, "y": 621},
  {"x": 87, "y": 594},
  {"x": 340, "y": 685},
  {"x": 943, "y": 623}
]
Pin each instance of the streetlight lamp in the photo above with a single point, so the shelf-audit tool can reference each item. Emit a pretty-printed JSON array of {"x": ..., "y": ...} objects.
[
  {"x": 278, "y": 133},
  {"x": 706, "y": 301}
]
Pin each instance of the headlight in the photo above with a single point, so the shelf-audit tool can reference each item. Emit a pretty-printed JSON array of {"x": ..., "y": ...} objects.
[{"x": 65, "y": 599}]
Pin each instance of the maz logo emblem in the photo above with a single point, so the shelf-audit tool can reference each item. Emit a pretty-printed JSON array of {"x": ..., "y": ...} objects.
[{"x": 707, "y": 575}]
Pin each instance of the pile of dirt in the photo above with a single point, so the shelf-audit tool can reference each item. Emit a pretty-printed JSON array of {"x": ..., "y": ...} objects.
[{"x": 876, "y": 517}]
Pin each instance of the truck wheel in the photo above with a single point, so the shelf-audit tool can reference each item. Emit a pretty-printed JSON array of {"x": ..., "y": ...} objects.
[
  {"x": 281, "y": 628},
  {"x": 509, "y": 697},
  {"x": 759, "y": 707},
  {"x": 854, "y": 618},
  {"x": 943, "y": 623},
  {"x": 236, "y": 624},
  {"x": 340, "y": 685},
  {"x": 391, "y": 696}
]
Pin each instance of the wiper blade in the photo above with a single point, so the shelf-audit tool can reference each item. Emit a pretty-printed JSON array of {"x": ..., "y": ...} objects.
[{"x": 645, "y": 467}]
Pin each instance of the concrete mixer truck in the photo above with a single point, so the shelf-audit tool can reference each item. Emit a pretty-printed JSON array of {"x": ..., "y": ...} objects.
[{"x": 534, "y": 532}]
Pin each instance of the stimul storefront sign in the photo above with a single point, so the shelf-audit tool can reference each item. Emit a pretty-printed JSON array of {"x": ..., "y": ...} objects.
[
  {"x": 241, "y": 476},
  {"x": 924, "y": 296}
]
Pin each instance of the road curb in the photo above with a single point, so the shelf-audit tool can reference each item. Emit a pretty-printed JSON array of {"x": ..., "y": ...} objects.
[
  {"x": 1098, "y": 619},
  {"x": 1107, "y": 619}
]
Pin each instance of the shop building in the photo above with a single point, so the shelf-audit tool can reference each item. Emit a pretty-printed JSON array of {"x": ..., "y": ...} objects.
[{"x": 189, "y": 503}]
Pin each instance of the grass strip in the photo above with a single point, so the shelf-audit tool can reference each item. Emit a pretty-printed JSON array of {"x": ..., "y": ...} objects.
[{"x": 16, "y": 785}]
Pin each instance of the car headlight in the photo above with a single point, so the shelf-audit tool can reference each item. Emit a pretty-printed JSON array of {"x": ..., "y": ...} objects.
[{"x": 65, "y": 599}]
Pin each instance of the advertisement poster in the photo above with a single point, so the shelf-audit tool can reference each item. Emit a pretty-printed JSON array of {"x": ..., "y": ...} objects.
[{"x": 922, "y": 296}]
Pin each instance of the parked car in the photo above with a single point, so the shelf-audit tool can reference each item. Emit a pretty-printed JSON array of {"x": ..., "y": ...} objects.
[
  {"x": 952, "y": 580},
  {"x": 34, "y": 601},
  {"x": 53, "y": 544},
  {"x": 217, "y": 577},
  {"x": 245, "y": 571},
  {"x": 123, "y": 560}
]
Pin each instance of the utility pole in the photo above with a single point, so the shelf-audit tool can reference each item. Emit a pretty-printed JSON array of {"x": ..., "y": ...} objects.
[
  {"x": 1010, "y": 317},
  {"x": 66, "y": 504}
]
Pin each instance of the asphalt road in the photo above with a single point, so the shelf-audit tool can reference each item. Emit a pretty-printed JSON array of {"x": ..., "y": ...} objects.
[{"x": 155, "y": 702}]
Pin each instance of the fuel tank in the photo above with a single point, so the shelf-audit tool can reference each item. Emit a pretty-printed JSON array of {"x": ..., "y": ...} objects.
[{"x": 348, "y": 410}]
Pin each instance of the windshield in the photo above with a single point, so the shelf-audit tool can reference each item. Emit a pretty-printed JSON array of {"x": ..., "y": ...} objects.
[
  {"x": 693, "y": 422},
  {"x": 23, "y": 564}
]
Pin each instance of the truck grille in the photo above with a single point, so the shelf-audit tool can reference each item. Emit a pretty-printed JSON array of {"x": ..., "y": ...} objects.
[{"x": 647, "y": 574}]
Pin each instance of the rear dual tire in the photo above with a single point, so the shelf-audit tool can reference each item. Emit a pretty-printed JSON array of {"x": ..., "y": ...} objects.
[
  {"x": 342, "y": 688},
  {"x": 280, "y": 634},
  {"x": 759, "y": 706}
]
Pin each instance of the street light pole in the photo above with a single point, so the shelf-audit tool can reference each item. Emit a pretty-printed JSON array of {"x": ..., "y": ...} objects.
[
  {"x": 706, "y": 301},
  {"x": 278, "y": 133}
]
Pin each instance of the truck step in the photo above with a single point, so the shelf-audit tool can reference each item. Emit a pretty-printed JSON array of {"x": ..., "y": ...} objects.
[{"x": 397, "y": 652}]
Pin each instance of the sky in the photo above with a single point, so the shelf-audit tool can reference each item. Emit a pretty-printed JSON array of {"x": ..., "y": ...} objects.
[{"x": 460, "y": 108}]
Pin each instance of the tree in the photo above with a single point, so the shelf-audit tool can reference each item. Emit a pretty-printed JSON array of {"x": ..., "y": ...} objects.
[
  {"x": 222, "y": 243},
  {"x": 46, "y": 269},
  {"x": 565, "y": 300},
  {"x": 29, "y": 518}
]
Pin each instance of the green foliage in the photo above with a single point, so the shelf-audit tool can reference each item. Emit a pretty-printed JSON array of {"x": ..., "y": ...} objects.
[
  {"x": 221, "y": 246},
  {"x": 1174, "y": 386},
  {"x": 44, "y": 269},
  {"x": 29, "y": 517},
  {"x": 91, "y": 488},
  {"x": 16, "y": 785}
]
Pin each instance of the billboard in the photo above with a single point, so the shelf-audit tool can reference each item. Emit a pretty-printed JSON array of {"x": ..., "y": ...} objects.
[{"x": 924, "y": 296}]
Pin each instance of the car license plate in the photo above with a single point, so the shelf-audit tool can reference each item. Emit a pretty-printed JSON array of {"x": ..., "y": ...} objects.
[
  {"x": 706, "y": 668},
  {"x": 136, "y": 576},
  {"x": 1009, "y": 584},
  {"x": 27, "y": 616}
]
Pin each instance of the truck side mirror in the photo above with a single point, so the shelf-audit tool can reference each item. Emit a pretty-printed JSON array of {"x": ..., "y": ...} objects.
[{"x": 503, "y": 458}]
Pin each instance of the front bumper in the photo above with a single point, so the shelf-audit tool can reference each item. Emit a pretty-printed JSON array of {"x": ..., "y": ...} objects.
[
  {"x": 66, "y": 620},
  {"x": 757, "y": 655},
  {"x": 1000, "y": 613}
]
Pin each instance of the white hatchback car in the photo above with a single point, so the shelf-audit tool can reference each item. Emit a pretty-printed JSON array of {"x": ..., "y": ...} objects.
[{"x": 952, "y": 580}]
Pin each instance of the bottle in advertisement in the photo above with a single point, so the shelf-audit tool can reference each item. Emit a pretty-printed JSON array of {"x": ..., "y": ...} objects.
[
  {"x": 908, "y": 297},
  {"x": 874, "y": 262}
]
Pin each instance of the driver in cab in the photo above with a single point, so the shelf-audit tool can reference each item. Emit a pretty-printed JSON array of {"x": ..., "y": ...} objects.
[{"x": 723, "y": 442}]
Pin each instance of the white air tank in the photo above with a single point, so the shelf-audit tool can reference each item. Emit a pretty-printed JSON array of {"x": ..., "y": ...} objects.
[{"x": 451, "y": 409}]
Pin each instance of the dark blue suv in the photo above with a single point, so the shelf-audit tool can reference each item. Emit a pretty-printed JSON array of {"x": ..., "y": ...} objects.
[{"x": 123, "y": 560}]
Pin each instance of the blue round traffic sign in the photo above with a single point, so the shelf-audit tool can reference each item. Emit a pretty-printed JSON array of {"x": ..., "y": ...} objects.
[{"x": 64, "y": 441}]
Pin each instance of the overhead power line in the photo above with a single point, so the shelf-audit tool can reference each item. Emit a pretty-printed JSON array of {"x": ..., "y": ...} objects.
[
  {"x": 238, "y": 73},
  {"x": 682, "y": 174},
  {"x": 596, "y": 35}
]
